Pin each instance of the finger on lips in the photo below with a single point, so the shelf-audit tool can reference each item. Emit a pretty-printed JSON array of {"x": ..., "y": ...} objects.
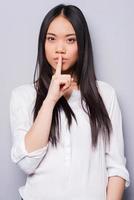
[
  {"x": 59, "y": 68},
  {"x": 59, "y": 65}
]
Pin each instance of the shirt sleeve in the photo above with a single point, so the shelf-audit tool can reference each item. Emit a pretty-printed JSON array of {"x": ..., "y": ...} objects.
[
  {"x": 20, "y": 124},
  {"x": 115, "y": 159}
]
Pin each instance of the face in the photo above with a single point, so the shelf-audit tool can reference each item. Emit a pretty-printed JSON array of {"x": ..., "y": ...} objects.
[{"x": 61, "y": 39}]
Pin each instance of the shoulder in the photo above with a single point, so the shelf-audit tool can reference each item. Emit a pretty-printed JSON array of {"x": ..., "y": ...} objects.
[
  {"x": 25, "y": 94},
  {"x": 24, "y": 89},
  {"x": 105, "y": 87},
  {"x": 107, "y": 93}
]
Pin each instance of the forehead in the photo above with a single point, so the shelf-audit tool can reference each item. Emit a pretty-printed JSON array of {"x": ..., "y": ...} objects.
[{"x": 61, "y": 25}]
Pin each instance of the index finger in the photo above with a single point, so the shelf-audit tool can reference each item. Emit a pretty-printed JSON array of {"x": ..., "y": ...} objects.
[{"x": 59, "y": 65}]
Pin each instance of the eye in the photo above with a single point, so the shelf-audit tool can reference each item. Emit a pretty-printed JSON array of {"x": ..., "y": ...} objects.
[
  {"x": 50, "y": 38},
  {"x": 71, "y": 40}
]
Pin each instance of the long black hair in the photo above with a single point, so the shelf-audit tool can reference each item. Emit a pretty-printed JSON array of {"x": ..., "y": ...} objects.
[{"x": 84, "y": 71}]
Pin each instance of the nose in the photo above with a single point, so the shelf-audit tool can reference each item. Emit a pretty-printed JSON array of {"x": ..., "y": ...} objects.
[{"x": 60, "y": 49}]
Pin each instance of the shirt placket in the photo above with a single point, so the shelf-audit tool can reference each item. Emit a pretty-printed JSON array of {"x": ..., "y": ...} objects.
[{"x": 67, "y": 151}]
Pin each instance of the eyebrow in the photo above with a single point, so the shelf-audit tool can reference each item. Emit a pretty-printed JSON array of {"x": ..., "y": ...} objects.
[{"x": 65, "y": 35}]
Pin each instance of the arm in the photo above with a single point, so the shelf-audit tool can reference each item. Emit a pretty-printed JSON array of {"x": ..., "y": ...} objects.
[
  {"x": 30, "y": 141},
  {"x": 115, "y": 188},
  {"x": 37, "y": 136},
  {"x": 115, "y": 160},
  {"x": 29, "y": 147}
]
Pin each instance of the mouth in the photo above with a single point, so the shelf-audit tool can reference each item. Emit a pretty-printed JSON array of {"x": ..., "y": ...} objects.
[{"x": 63, "y": 61}]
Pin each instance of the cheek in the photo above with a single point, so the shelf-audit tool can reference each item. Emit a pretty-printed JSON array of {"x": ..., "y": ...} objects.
[
  {"x": 74, "y": 53},
  {"x": 48, "y": 51}
]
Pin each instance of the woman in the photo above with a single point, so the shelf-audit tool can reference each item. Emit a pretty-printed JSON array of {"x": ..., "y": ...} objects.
[{"x": 67, "y": 126}]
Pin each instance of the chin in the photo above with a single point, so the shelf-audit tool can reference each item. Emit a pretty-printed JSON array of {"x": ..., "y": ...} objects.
[{"x": 66, "y": 71}]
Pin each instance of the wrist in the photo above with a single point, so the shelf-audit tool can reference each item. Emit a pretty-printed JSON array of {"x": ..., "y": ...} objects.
[{"x": 49, "y": 101}]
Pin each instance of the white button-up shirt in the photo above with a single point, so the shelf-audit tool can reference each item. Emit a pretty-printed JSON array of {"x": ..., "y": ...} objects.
[{"x": 72, "y": 171}]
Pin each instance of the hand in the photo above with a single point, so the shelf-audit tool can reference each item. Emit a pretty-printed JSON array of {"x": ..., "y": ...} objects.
[{"x": 59, "y": 83}]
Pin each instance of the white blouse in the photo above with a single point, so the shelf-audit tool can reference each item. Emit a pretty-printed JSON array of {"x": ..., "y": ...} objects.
[{"x": 73, "y": 171}]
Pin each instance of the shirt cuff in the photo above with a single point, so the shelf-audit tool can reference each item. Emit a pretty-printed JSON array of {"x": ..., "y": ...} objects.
[
  {"x": 19, "y": 151},
  {"x": 121, "y": 173}
]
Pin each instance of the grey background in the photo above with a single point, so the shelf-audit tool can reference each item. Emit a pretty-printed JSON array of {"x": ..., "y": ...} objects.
[{"x": 112, "y": 32}]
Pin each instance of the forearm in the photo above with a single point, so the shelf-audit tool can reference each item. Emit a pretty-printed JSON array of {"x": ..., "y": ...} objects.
[
  {"x": 37, "y": 137},
  {"x": 115, "y": 188}
]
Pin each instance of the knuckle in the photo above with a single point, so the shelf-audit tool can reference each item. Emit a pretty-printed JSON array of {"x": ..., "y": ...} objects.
[
  {"x": 68, "y": 82},
  {"x": 69, "y": 76},
  {"x": 57, "y": 78},
  {"x": 54, "y": 77}
]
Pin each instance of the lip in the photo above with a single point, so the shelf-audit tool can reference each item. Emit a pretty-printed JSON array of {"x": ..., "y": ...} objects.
[
  {"x": 63, "y": 61},
  {"x": 56, "y": 59}
]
